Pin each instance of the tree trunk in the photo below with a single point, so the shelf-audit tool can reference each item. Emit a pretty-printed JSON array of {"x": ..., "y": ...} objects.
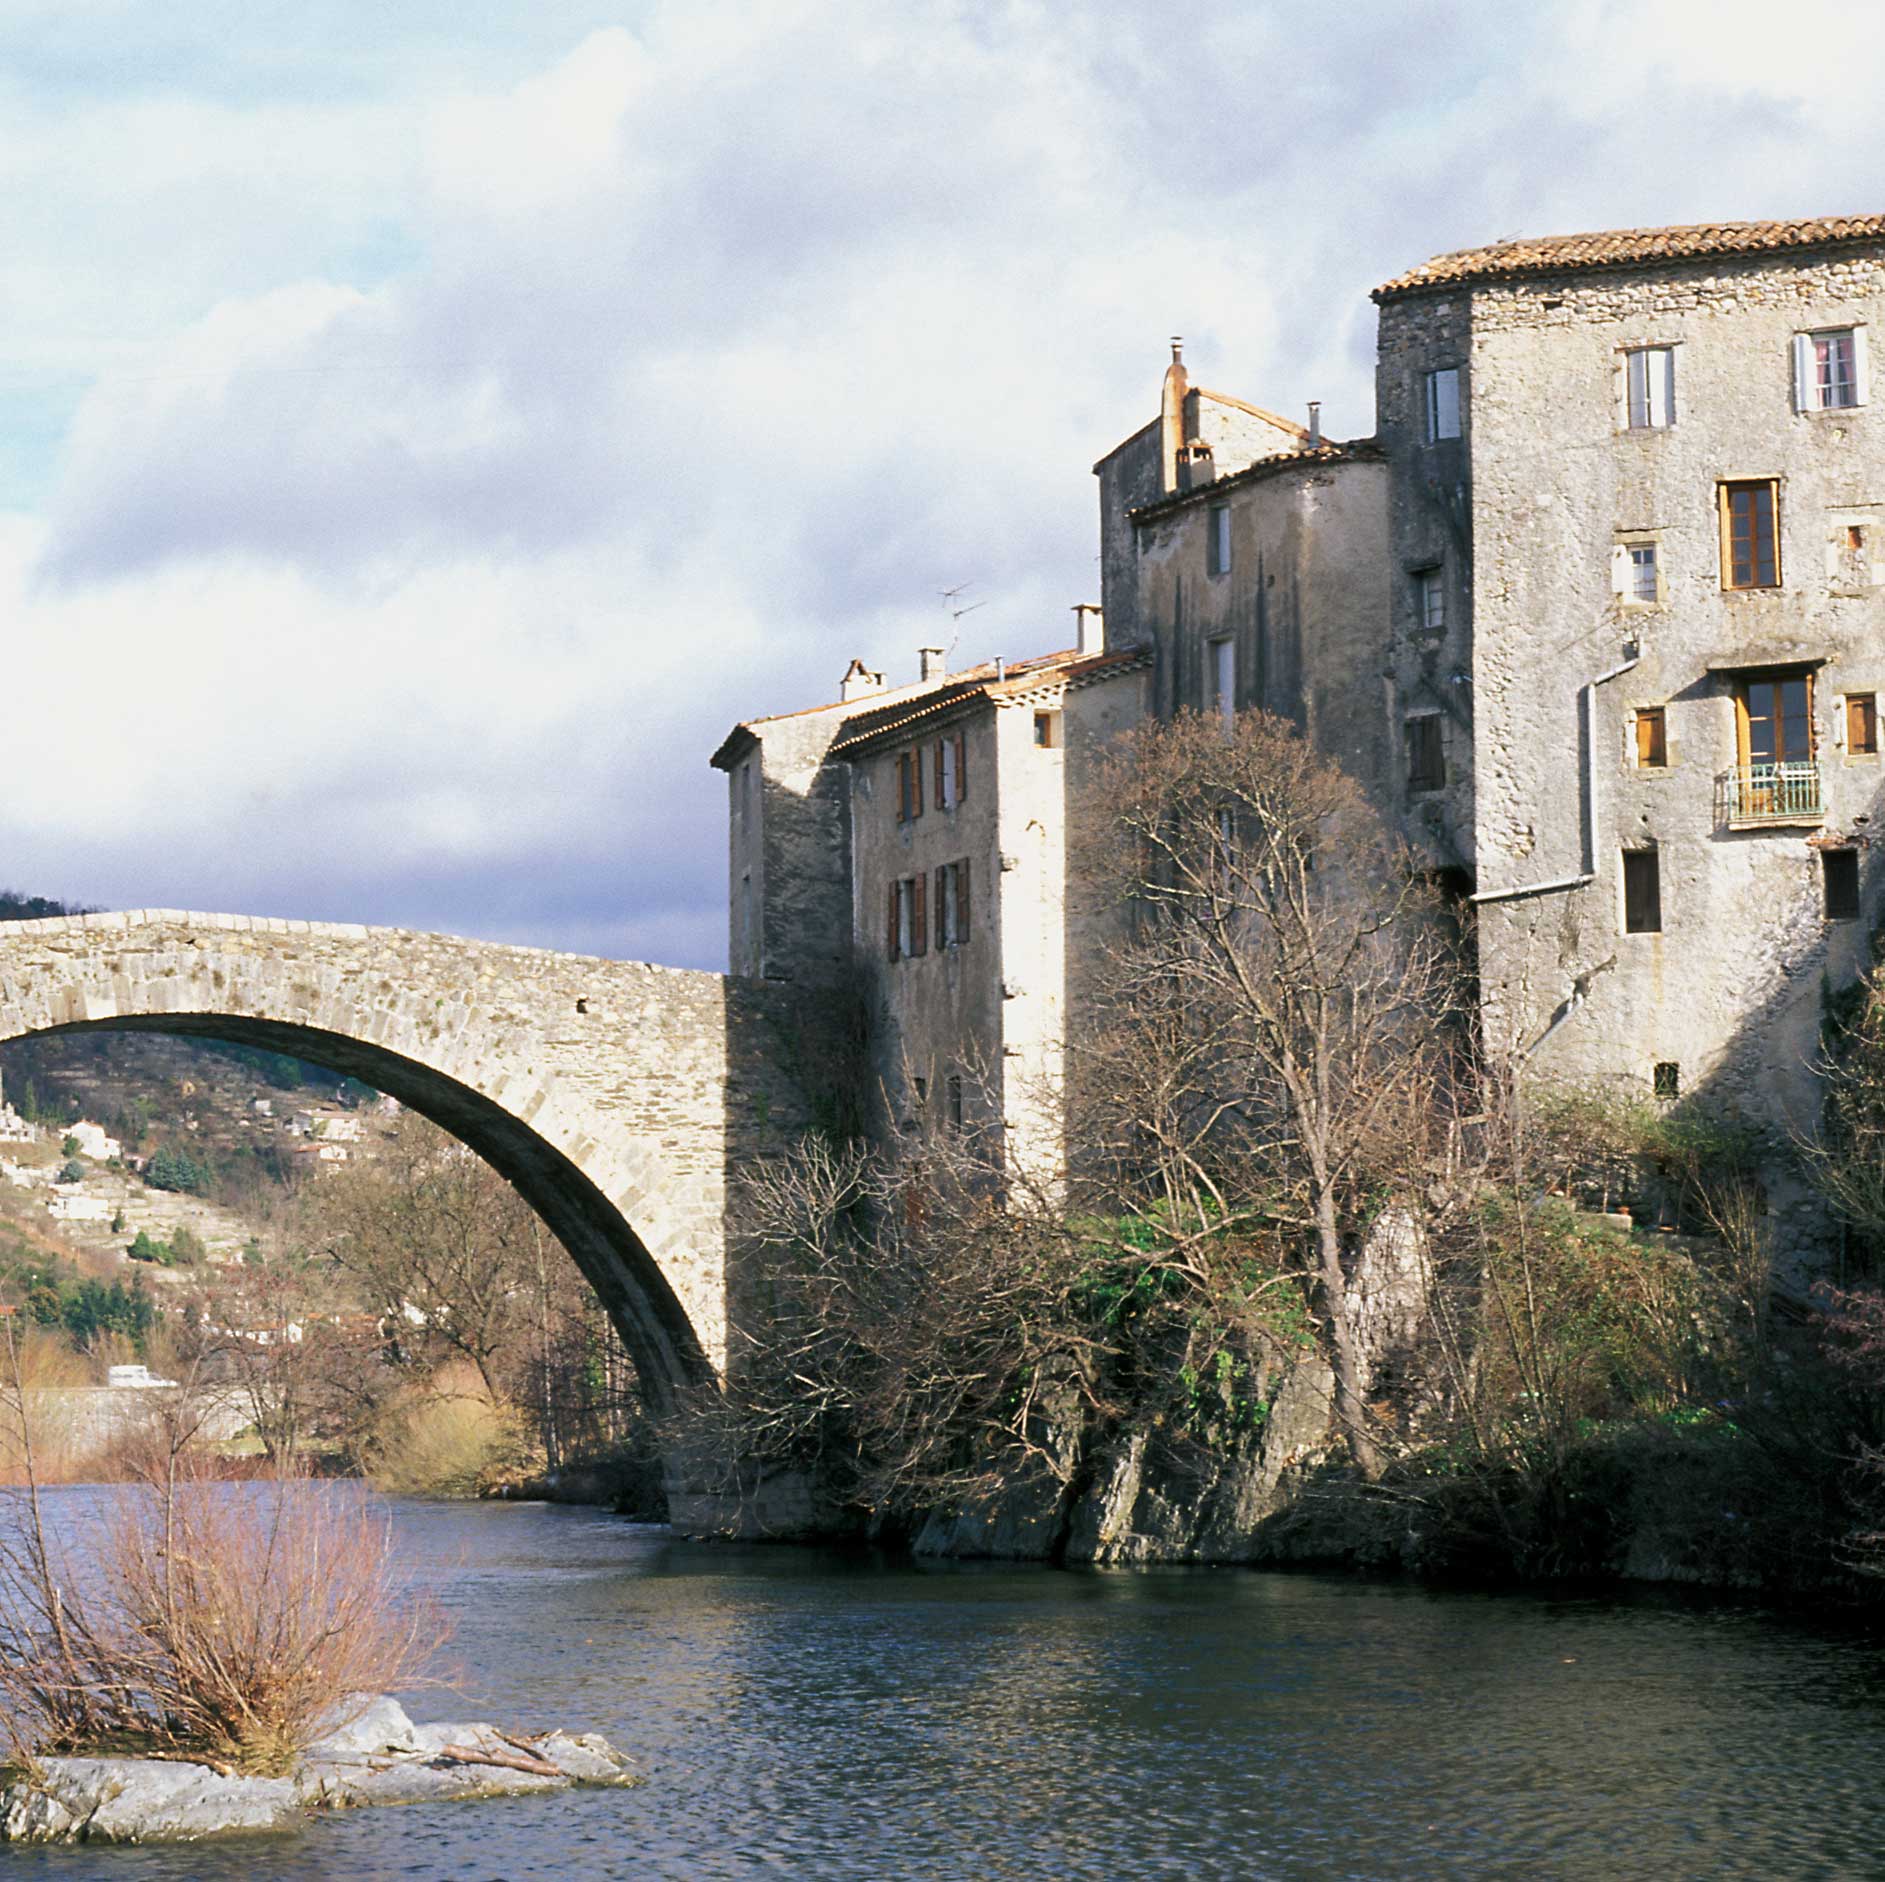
[{"x": 1331, "y": 1285}]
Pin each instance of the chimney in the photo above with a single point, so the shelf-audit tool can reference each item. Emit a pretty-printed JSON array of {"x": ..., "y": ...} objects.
[
  {"x": 1091, "y": 626},
  {"x": 1315, "y": 424},
  {"x": 1171, "y": 417},
  {"x": 932, "y": 659},
  {"x": 1196, "y": 466},
  {"x": 859, "y": 682}
]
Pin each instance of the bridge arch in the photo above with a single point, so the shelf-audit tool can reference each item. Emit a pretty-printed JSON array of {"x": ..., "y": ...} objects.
[{"x": 615, "y": 1096}]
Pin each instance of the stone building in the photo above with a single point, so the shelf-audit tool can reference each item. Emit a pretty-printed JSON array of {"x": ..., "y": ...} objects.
[{"x": 1595, "y": 615}]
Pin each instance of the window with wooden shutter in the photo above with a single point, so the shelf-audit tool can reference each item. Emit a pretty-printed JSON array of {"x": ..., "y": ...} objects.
[
  {"x": 1839, "y": 878},
  {"x": 1652, "y": 742},
  {"x": 919, "y": 916},
  {"x": 1862, "y": 725},
  {"x": 962, "y": 902},
  {"x": 962, "y": 764},
  {"x": 1642, "y": 892},
  {"x": 945, "y": 926},
  {"x": 916, "y": 782},
  {"x": 945, "y": 769},
  {"x": 903, "y": 787},
  {"x": 1750, "y": 536},
  {"x": 892, "y": 947},
  {"x": 1426, "y": 753}
]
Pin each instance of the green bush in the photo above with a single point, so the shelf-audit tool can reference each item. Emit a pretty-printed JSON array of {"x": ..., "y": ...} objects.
[{"x": 177, "y": 1171}]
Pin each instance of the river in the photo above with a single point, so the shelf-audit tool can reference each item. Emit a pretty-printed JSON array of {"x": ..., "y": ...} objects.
[{"x": 798, "y": 1714}]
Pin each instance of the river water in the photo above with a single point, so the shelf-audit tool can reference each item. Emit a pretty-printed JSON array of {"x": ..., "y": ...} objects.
[{"x": 801, "y": 1715}]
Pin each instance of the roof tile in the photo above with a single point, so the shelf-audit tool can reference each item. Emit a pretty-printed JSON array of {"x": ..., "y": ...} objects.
[{"x": 1625, "y": 248}]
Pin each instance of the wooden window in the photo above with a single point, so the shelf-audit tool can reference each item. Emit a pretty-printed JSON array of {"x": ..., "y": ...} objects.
[
  {"x": 1652, "y": 743},
  {"x": 1666, "y": 1080},
  {"x": 1829, "y": 369},
  {"x": 1217, "y": 540},
  {"x": 909, "y": 785},
  {"x": 1839, "y": 882},
  {"x": 908, "y": 918},
  {"x": 1047, "y": 730},
  {"x": 1862, "y": 725},
  {"x": 1855, "y": 537},
  {"x": 919, "y": 916},
  {"x": 1642, "y": 892},
  {"x": 1750, "y": 540},
  {"x": 893, "y": 941},
  {"x": 952, "y": 904},
  {"x": 1430, "y": 601},
  {"x": 1443, "y": 404},
  {"x": 1650, "y": 376},
  {"x": 1774, "y": 718},
  {"x": 947, "y": 765},
  {"x": 1426, "y": 753}
]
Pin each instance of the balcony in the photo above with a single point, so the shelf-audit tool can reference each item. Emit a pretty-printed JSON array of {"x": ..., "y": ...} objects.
[{"x": 1751, "y": 796}]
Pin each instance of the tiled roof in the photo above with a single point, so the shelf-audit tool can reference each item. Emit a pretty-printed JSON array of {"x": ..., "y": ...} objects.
[
  {"x": 1325, "y": 453},
  {"x": 1627, "y": 248},
  {"x": 1021, "y": 679}
]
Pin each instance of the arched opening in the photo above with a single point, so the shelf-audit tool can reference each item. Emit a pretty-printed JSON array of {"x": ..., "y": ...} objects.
[{"x": 653, "y": 1325}]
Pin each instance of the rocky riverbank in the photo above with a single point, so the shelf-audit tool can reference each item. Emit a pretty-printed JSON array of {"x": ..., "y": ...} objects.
[{"x": 377, "y": 1757}]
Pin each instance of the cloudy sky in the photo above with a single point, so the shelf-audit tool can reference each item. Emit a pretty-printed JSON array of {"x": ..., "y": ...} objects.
[{"x": 426, "y": 428}]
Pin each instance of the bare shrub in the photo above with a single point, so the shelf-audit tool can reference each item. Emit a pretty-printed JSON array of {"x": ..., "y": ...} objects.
[
  {"x": 444, "y": 1435},
  {"x": 229, "y": 1621}
]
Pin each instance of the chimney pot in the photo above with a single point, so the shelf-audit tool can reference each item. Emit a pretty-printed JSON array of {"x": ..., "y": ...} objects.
[
  {"x": 1091, "y": 625},
  {"x": 1315, "y": 423},
  {"x": 932, "y": 662}
]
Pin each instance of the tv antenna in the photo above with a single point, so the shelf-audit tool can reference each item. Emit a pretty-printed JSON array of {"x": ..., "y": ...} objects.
[{"x": 952, "y": 600}]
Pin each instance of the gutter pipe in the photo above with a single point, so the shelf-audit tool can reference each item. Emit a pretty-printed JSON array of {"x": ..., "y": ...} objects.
[{"x": 1560, "y": 883}]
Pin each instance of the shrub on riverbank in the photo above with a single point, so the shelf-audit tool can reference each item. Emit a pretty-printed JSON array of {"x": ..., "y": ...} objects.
[{"x": 444, "y": 1435}]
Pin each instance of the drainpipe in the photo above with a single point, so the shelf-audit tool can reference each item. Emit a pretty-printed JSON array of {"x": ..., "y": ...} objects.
[{"x": 1559, "y": 883}]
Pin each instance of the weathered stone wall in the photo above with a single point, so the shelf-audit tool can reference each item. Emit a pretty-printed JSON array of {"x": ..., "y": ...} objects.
[
  {"x": 1730, "y": 990},
  {"x": 618, "y": 1097},
  {"x": 1304, "y": 601}
]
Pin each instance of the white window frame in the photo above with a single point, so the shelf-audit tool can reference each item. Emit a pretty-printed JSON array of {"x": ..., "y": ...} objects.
[
  {"x": 1443, "y": 404},
  {"x": 1430, "y": 600},
  {"x": 1808, "y": 392},
  {"x": 1224, "y": 678},
  {"x": 946, "y": 771},
  {"x": 1649, "y": 388},
  {"x": 1627, "y": 572},
  {"x": 1218, "y": 557}
]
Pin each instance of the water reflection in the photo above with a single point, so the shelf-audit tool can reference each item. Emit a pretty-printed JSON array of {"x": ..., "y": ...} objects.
[{"x": 802, "y": 1715}]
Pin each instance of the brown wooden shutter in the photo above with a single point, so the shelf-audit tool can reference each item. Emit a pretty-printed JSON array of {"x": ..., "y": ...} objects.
[
  {"x": 962, "y": 902},
  {"x": 890, "y": 947},
  {"x": 940, "y": 804},
  {"x": 942, "y": 905},
  {"x": 919, "y": 917},
  {"x": 903, "y": 786},
  {"x": 962, "y": 764},
  {"x": 916, "y": 785}
]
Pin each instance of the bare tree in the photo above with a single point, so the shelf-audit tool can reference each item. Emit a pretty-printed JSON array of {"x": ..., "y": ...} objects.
[{"x": 1276, "y": 1039}]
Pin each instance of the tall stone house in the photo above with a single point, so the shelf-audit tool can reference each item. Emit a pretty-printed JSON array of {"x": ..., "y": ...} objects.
[{"x": 1596, "y": 615}]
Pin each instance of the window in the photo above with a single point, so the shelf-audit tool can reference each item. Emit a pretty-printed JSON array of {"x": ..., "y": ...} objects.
[
  {"x": 1652, "y": 744},
  {"x": 1666, "y": 1080},
  {"x": 1855, "y": 537},
  {"x": 1430, "y": 601},
  {"x": 1774, "y": 718},
  {"x": 1443, "y": 404},
  {"x": 1224, "y": 678},
  {"x": 1217, "y": 544},
  {"x": 1829, "y": 369},
  {"x": 955, "y": 1101},
  {"x": 1645, "y": 578},
  {"x": 1642, "y": 892},
  {"x": 1862, "y": 725},
  {"x": 1750, "y": 543},
  {"x": 1426, "y": 753},
  {"x": 952, "y": 904},
  {"x": 1839, "y": 882},
  {"x": 909, "y": 785},
  {"x": 1047, "y": 730},
  {"x": 909, "y": 925},
  {"x": 951, "y": 769},
  {"x": 1650, "y": 387}
]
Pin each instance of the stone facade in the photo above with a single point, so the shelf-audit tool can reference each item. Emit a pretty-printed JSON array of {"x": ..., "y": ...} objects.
[{"x": 619, "y": 1098}]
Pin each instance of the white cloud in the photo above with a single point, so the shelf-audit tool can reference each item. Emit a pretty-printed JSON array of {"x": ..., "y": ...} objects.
[{"x": 718, "y": 343}]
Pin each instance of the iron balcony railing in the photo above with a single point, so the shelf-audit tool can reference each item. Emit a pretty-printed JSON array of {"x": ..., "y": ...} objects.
[{"x": 1788, "y": 792}]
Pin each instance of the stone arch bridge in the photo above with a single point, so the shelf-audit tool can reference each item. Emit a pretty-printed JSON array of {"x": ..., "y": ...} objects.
[{"x": 619, "y": 1098}]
